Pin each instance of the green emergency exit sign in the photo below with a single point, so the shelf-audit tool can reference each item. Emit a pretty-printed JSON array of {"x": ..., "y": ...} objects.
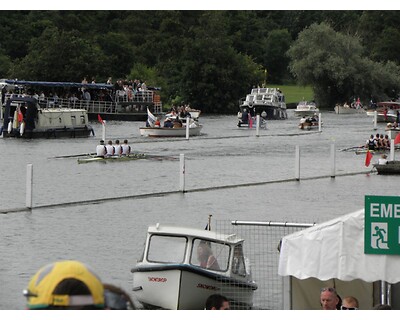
[{"x": 382, "y": 225}]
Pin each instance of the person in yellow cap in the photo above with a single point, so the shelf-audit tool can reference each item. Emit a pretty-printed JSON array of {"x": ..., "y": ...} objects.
[{"x": 65, "y": 284}]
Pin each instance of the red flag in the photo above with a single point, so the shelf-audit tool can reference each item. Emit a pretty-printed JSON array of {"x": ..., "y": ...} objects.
[
  {"x": 20, "y": 117},
  {"x": 250, "y": 121},
  {"x": 100, "y": 119},
  {"x": 397, "y": 139},
  {"x": 368, "y": 158}
]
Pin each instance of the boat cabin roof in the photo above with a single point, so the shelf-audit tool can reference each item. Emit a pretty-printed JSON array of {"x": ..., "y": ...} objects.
[
  {"x": 194, "y": 233},
  {"x": 59, "y": 84},
  {"x": 28, "y": 100},
  {"x": 389, "y": 104},
  {"x": 264, "y": 90}
]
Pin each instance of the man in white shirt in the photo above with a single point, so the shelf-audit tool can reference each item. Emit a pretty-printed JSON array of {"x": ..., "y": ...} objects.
[
  {"x": 101, "y": 149},
  {"x": 117, "y": 148},
  {"x": 383, "y": 159}
]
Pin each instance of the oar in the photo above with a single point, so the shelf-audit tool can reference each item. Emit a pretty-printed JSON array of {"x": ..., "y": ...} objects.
[
  {"x": 74, "y": 155},
  {"x": 352, "y": 148}
]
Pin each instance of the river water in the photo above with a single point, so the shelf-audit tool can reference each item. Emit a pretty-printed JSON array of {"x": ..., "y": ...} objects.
[{"x": 109, "y": 235}]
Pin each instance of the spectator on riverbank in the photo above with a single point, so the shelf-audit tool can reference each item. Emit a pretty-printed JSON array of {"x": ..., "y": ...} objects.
[
  {"x": 217, "y": 302},
  {"x": 329, "y": 299},
  {"x": 65, "y": 284},
  {"x": 349, "y": 303}
]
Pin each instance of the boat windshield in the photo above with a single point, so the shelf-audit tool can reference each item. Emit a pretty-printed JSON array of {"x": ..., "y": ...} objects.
[
  {"x": 210, "y": 255},
  {"x": 167, "y": 249}
]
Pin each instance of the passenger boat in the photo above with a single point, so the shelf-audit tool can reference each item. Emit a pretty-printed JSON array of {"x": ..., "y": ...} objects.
[
  {"x": 391, "y": 167},
  {"x": 386, "y": 111},
  {"x": 259, "y": 100},
  {"x": 181, "y": 267},
  {"x": 109, "y": 101},
  {"x": 25, "y": 118},
  {"x": 306, "y": 108},
  {"x": 93, "y": 158},
  {"x": 346, "y": 109}
]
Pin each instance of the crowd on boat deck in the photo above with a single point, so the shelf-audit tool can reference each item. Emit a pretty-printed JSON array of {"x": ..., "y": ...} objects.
[
  {"x": 122, "y": 90},
  {"x": 173, "y": 118},
  {"x": 108, "y": 150},
  {"x": 378, "y": 142}
]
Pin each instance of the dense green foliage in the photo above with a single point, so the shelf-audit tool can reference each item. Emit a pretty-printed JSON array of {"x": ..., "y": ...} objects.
[{"x": 209, "y": 59}]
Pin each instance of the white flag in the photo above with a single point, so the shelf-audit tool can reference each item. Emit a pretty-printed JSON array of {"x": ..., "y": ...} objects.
[{"x": 151, "y": 119}]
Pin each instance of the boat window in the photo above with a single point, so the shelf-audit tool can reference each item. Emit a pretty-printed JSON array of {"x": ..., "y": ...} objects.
[
  {"x": 250, "y": 98},
  {"x": 167, "y": 249},
  {"x": 210, "y": 255},
  {"x": 83, "y": 120},
  {"x": 238, "y": 263}
]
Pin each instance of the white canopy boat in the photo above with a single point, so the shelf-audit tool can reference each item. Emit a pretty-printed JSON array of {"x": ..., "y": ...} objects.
[
  {"x": 194, "y": 130},
  {"x": 181, "y": 267}
]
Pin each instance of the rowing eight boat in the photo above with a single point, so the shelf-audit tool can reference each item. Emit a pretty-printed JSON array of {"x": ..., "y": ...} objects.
[{"x": 133, "y": 156}]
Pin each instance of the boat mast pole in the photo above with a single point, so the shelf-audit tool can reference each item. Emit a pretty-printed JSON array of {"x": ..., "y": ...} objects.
[{"x": 209, "y": 222}]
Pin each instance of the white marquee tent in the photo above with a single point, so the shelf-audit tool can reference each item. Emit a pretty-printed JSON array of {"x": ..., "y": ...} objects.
[{"x": 333, "y": 252}]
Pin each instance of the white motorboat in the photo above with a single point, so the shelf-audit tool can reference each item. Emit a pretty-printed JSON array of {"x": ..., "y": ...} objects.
[
  {"x": 175, "y": 271},
  {"x": 172, "y": 127},
  {"x": 259, "y": 100},
  {"x": 306, "y": 108},
  {"x": 194, "y": 130},
  {"x": 25, "y": 118}
]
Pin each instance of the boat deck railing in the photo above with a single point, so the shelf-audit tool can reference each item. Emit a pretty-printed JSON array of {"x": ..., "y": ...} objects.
[{"x": 121, "y": 104}]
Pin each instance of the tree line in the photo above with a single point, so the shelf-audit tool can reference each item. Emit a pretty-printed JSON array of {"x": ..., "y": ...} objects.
[{"x": 209, "y": 59}]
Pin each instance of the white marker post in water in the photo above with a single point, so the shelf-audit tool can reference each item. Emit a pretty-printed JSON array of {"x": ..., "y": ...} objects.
[
  {"x": 182, "y": 172},
  {"x": 258, "y": 125},
  {"x": 375, "y": 120},
  {"x": 297, "y": 164},
  {"x": 104, "y": 130},
  {"x": 29, "y": 183},
  {"x": 392, "y": 151},
  {"x": 187, "y": 128},
  {"x": 319, "y": 123},
  {"x": 333, "y": 160}
]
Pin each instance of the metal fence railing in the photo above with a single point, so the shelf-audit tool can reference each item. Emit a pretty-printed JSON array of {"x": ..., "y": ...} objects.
[{"x": 261, "y": 248}]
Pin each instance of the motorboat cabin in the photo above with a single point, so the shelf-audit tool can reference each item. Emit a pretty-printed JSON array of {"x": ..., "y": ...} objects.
[
  {"x": 25, "y": 118},
  {"x": 181, "y": 267},
  {"x": 271, "y": 101}
]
